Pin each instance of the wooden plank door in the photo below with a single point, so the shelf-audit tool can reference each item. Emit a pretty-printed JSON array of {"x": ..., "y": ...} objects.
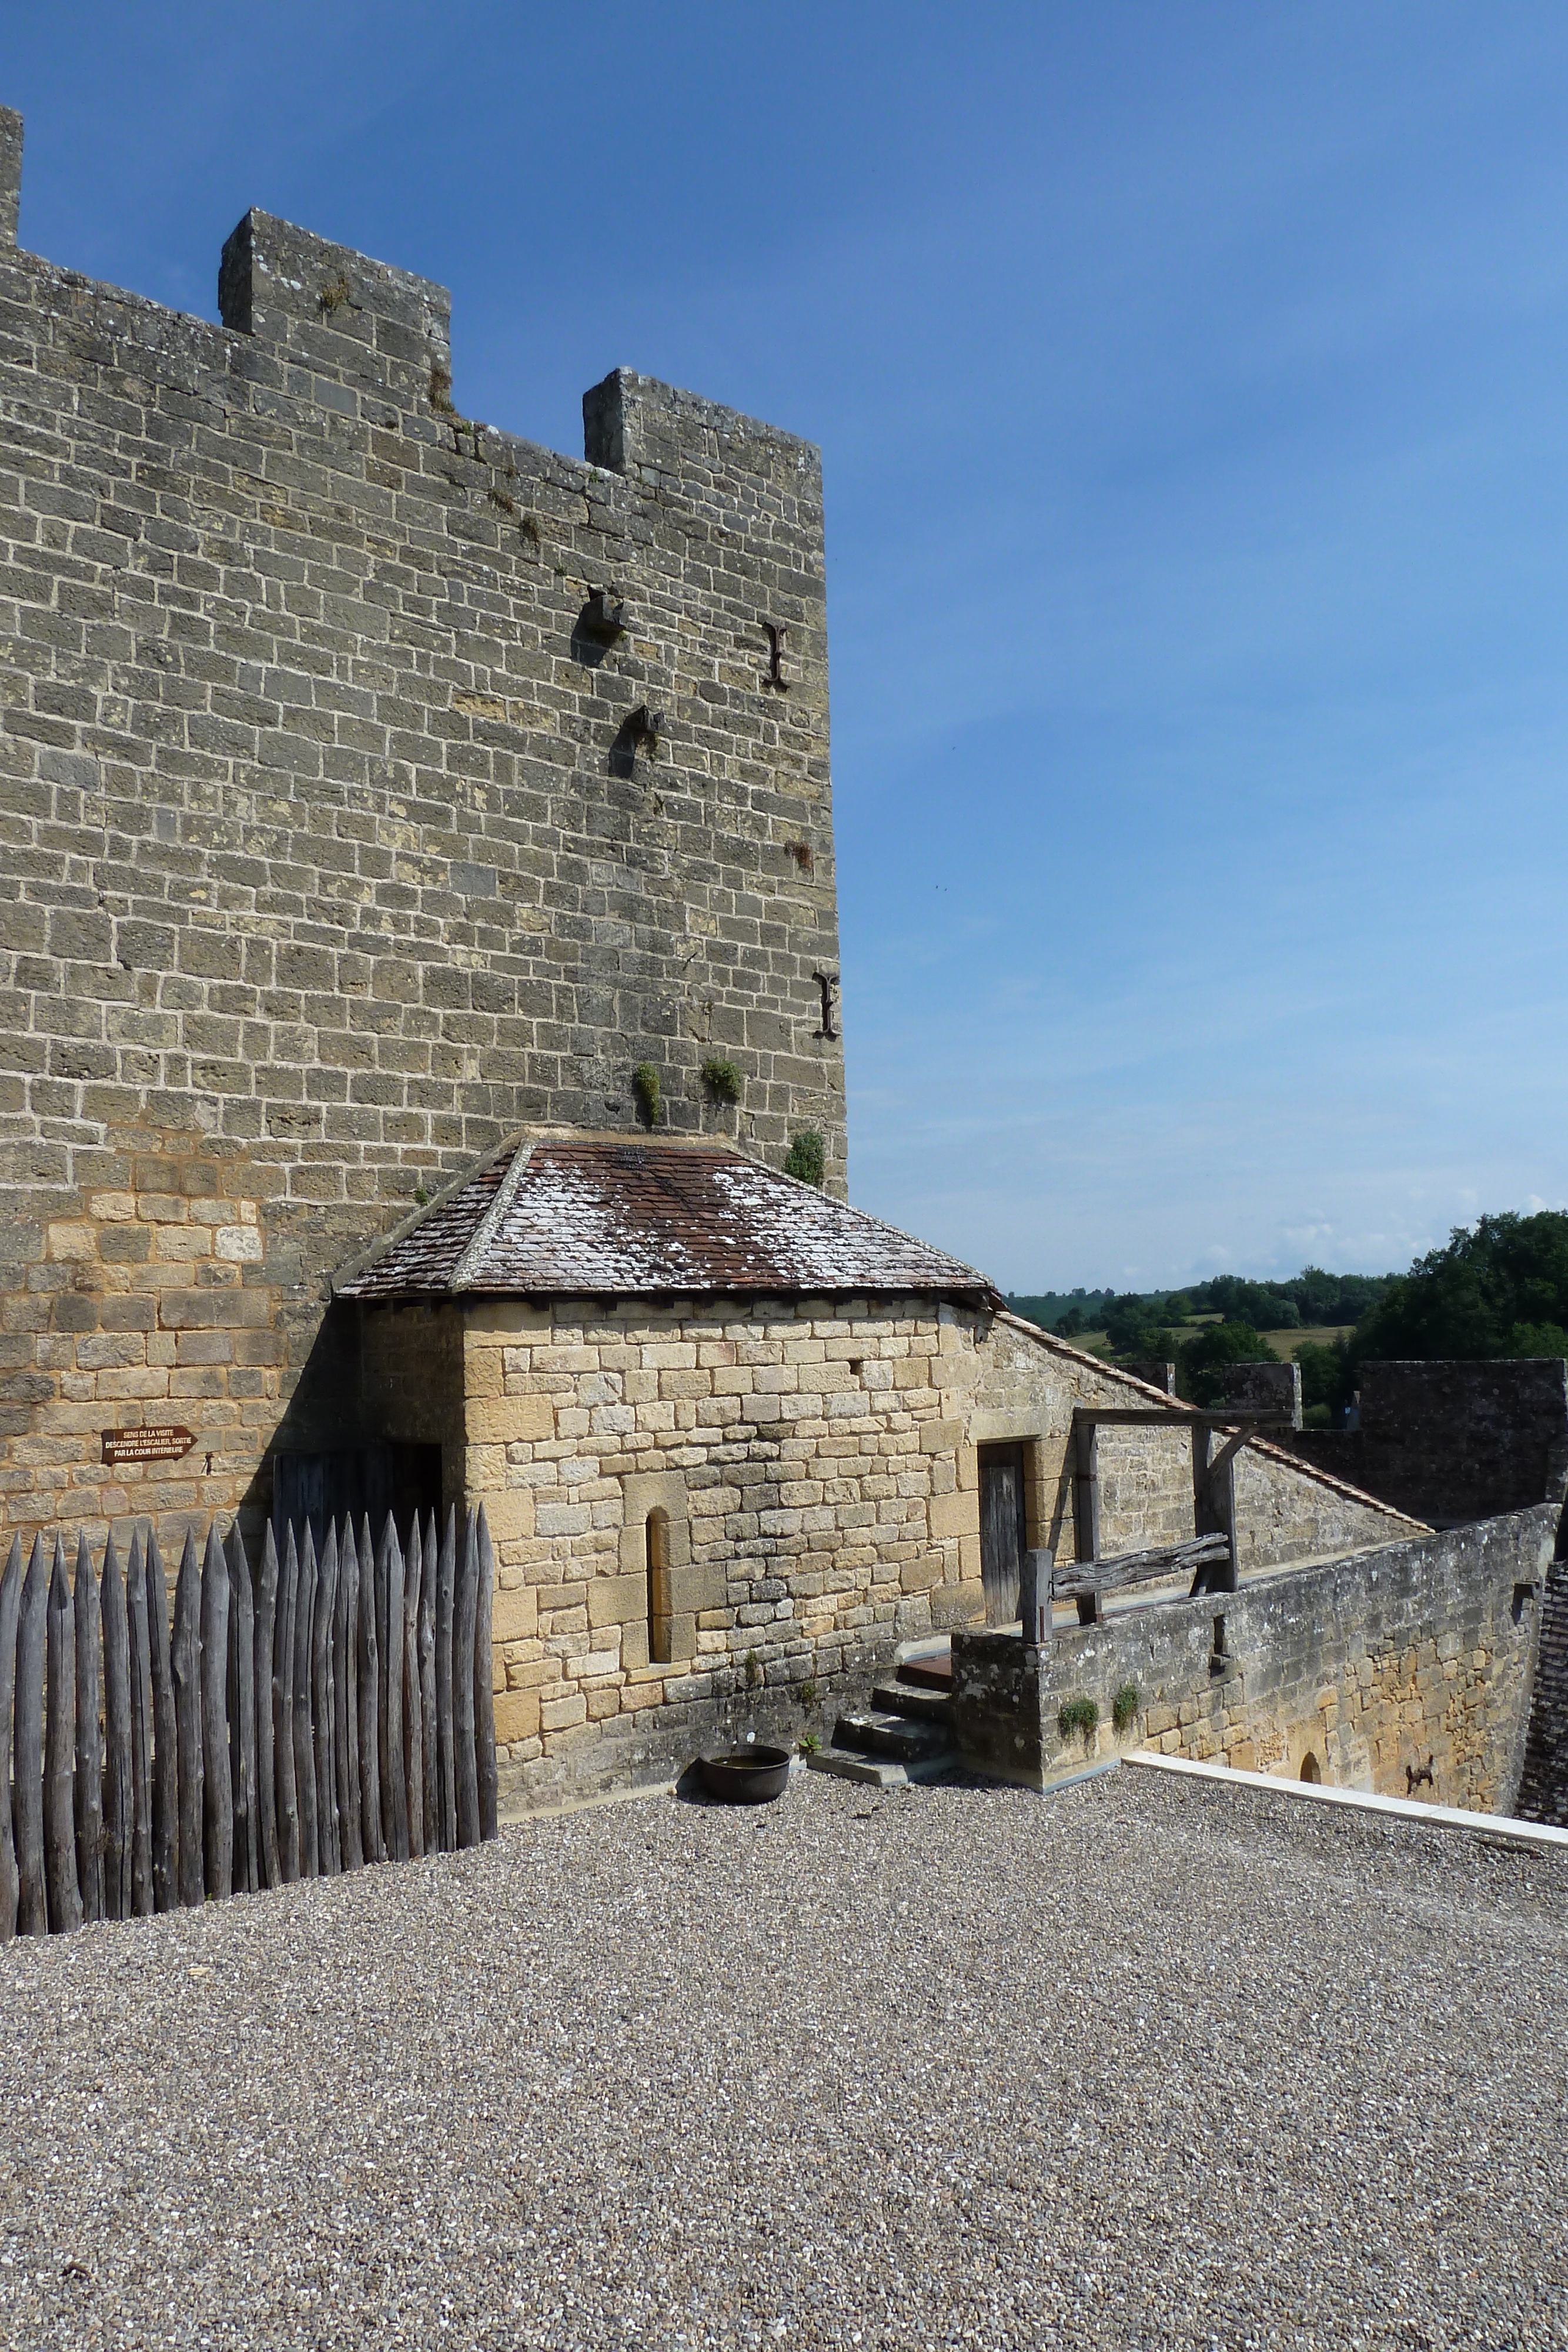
[{"x": 1004, "y": 1531}]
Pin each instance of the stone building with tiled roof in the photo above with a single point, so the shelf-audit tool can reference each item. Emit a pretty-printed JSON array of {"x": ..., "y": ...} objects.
[{"x": 736, "y": 1440}]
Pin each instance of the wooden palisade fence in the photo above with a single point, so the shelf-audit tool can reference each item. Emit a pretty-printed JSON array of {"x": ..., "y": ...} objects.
[{"x": 329, "y": 1710}]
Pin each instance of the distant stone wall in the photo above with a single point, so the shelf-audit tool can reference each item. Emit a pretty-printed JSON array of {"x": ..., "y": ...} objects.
[
  {"x": 1275, "y": 1387},
  {"x": 1369, "y": 1665},
  {"x": 371, "y": 783},
  {"x": 1450, "y": 1442}
]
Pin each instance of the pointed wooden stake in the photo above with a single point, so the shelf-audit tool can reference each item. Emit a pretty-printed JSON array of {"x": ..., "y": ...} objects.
[
  {"x": 114, "y": 1619},
  {"x": 59, "y": 1755}
]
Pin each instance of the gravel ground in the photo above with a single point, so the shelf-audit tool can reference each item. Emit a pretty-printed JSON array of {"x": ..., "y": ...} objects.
[{"x": 1148, "y": 2063}]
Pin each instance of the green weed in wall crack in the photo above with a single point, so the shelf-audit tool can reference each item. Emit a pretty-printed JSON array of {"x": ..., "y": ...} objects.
[
  {"x": 807, "y": 1158},
  {"x": 1124, "y": 1705},
  {"x": 1078, "y": 1715},
  {"x": 722, "y": 1077},
  {"x": 645, "y": 1086}
]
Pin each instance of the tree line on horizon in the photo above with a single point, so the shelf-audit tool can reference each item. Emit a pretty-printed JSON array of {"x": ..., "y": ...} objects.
[{"x": 1496, "y": 1288}]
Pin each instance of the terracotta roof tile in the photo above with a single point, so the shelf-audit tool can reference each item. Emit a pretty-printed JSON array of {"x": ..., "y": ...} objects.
[{"x": 619, "y": 1219}]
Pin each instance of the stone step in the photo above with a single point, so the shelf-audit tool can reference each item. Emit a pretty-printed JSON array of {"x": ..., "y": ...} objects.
[
  {"x": 849, "y": 1764},
  {"x": 906, "y": 1698},
  {"x": 931, "y": 1672},
  {"x": 894, "y": 1735}
]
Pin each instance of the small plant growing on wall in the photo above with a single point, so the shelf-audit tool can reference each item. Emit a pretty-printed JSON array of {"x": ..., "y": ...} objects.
[
  {"x": 1078, "y": 1715},
  {"x": 645, "y": 1086},
  {"x": 807, "y": 1158},
  {"x": 1124, "y": 1706},
  {"x": 722, "y": 1077},
  {"x": 753, "y": 1670},
  {"x": 806, "y": 1692}
]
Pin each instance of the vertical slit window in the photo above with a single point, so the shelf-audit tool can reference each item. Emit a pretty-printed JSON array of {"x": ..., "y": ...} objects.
[{"x": 656, "y": 1544}]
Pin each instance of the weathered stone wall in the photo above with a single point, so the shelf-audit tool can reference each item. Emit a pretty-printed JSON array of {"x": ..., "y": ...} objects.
[
  {"x": 334, "y": 846},
  {"x": 1452, "y": 1441},
  {"x": 801, "y": 1457},
  {"x": 818, "y": 1465},
  {"x": 1369, "y": 1664}
]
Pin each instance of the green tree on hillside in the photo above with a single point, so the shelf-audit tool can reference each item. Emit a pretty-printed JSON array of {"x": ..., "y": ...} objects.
[{"x": 1499, "y": 1290}]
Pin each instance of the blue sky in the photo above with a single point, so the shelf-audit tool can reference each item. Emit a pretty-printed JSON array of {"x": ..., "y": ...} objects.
[{"x": 1192, "y": 385}]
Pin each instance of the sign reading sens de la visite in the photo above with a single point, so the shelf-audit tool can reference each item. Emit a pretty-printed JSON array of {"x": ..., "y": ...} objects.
[{"x": 162, "y": 1444}]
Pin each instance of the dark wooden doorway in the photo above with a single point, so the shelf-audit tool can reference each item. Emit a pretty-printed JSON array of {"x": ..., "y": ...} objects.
[
  {"x": 1004, "y": 1530},
  {"x": 371, "y": 1479}
]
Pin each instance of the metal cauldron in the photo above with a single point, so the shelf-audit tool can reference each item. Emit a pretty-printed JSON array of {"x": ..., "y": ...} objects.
[{"x": 752, "y": 1775}]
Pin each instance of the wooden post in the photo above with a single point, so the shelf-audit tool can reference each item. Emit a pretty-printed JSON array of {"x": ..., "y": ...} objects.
[
  {"x": 446, "y": 1761},
  {"x": 242, "y": 1713},
  {"x": 59, "y": 1755},
  {"x": 119, "y": 1770},
  {"x": 465, "y": 1621},
  {"x": 375, "y": 1842},
  {"x": 88, "y": 1738},
  {"x": 217, "y": 1797},
  {"x": 10, "y": 1607},
  {"x": 1214, "y": 1505},
  {"x": 1086, "y": 1509},
  {"x": 264, "y": 1597},
  {"x": 413, "y": 1717},
  {"x": 28, "y": 1748},
  {"x": 427, "y": 1685},
  {"x": 282, "y": 1646},
  {"x": 346, "y": 1707},
  {"x": 139, "y": 1658},
  {"x": 165, "y": 1737},
  {"x": 186, "y": 1666},
  {"x": 484, "y": 1685},
  {"x": 323, "y": 1708},
  {"x": 304, "y": 1742},
  {"x": 389, "y": 1605},
  {"x": 1086, "y": 1490}
]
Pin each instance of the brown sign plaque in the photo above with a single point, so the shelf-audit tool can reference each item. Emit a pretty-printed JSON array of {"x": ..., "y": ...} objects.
[{"x": 162, "y": 1444}]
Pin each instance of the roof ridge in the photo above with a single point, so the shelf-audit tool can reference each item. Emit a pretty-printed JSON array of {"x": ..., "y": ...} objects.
[{"x": 462, "y": 1274}]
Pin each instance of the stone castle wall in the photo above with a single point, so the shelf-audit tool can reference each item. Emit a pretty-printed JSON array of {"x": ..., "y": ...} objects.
[
  {"x": 1373, "y": 1665},
  {"x": 1455, "y": 1441},
  {"x": 341, "y": 836}
]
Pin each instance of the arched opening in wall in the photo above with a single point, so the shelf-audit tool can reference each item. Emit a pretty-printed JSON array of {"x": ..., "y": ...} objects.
[
  {"x": 656, "y": 1551},
  {"x": 1311, "y": 1770}
]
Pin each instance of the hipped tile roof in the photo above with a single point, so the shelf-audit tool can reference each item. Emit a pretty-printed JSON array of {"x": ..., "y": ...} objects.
[{"x": 571, "y": 1218}]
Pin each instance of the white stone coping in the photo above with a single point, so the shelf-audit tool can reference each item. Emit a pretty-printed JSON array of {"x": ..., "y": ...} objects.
[{"x": 1505, "y": 1826}]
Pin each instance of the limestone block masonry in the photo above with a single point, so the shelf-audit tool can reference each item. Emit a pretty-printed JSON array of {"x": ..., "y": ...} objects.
[
  {"x": 1372, "y": 1671},
  {"x": 372, "y": 783}
]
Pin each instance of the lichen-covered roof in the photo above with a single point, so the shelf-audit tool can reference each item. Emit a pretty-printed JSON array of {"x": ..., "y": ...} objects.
[{"x": 569, "y": 1218}]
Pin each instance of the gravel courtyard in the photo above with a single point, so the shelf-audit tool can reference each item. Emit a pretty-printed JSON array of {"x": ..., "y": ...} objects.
[{"x": 1148, "y": 2063}]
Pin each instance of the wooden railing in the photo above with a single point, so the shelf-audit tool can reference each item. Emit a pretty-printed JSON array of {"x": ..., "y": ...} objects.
[{"x": 327, "y": 1710}]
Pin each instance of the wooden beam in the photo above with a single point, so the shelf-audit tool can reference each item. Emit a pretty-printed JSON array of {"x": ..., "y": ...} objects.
[{"x": 1138, "y": 1567}]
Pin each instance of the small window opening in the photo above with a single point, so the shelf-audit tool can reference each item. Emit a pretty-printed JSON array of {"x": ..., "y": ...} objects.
[
  {"x": 1310, "y": 1767},
  {"x": 1220, "y": 1649},
  {"x": 656, "y": 1547}
]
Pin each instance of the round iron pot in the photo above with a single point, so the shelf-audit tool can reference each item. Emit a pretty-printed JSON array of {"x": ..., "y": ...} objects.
[{"x": 752, "y": 1775}]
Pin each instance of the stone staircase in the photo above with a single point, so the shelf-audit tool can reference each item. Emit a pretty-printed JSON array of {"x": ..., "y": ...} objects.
[
  {"x": 907, "y": 1732},
  {"x": 1543, "y": 1790}
]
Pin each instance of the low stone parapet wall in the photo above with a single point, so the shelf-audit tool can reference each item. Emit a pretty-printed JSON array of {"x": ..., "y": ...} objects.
[{"x": 1372, "y": 1671}]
